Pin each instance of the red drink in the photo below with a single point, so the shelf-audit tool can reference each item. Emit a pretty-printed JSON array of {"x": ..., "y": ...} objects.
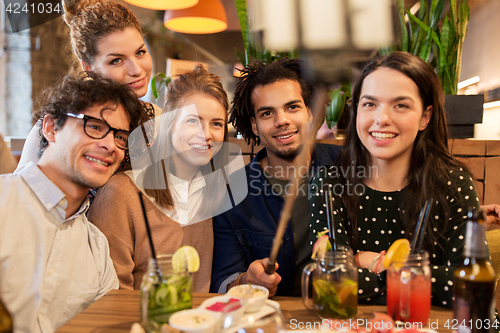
[{"x": 409, "y": 294}]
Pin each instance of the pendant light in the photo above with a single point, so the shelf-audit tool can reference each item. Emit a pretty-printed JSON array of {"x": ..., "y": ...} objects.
[
  {"x": 207, "y": 17},
  {"x": 163, "y": 4}
]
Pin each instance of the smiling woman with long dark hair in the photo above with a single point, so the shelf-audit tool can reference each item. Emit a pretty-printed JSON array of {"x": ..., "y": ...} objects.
[{"x": 397, "y": 144}]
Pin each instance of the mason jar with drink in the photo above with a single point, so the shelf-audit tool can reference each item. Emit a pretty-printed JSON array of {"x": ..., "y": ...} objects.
[
  {"x": 409, "y": 289},
  {"x": 334, "y": 284},
  {"x": 167, "y": 287}
]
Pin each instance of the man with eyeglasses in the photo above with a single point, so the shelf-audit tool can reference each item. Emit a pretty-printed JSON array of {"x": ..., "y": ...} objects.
[{"x": 53, "y": 262}]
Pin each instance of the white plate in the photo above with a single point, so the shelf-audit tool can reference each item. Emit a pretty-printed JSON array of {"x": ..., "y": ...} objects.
[{"x": 269, "y": 307}]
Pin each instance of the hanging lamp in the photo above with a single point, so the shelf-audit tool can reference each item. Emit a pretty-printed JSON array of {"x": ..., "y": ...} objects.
[
  {"x": 206, "y": 17},
  {"x": 163, "y": 4}
]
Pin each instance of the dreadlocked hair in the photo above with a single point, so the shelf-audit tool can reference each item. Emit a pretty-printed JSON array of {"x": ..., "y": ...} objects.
[{"x": 262, "y": 73}]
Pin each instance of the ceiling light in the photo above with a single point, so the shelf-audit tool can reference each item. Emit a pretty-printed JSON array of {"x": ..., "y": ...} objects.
[
  {"x": 207, "y": 17},
  {"x": 163, "y": 4}
]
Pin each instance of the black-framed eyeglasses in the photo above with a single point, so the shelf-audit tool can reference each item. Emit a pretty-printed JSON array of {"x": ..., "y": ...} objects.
[{"x": 97, "y": 129}]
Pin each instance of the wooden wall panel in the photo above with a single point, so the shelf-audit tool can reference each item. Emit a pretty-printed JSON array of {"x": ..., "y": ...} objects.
[{"x": 492, "y": 180}]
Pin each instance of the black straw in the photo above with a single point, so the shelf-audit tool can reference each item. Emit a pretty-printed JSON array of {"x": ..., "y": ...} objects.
[
  {"x": 153, "y": 252},
  {"x": 329, "y": 217},
  {"x": 423, "y": 219}
]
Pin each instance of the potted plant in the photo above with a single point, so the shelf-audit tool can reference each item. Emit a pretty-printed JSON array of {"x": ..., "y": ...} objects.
[
  {"x": 438, "y": 41},
  {"x": 253, "y": 48}
]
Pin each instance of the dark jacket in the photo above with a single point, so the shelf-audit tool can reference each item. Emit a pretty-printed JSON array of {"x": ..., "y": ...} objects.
[{"x": 245, "y": 233}]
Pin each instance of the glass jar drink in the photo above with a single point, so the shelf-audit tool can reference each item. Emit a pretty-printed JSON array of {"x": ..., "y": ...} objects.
[
  {"x": 334, "y": 285},
  {"x": 409, "y": 289},
  {"x": 161, "y": 297}
]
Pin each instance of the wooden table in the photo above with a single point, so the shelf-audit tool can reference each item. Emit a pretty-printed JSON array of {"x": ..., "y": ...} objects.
[{"x": 119, "y": 309}]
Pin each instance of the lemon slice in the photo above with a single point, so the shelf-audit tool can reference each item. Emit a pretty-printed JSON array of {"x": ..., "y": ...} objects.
[
  {"x": 186, "y": 258},
  {"x": 397, "y": 254}
]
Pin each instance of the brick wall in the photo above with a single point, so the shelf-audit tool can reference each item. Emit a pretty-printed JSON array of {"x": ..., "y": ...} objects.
[
  {"x": 25, "y": 72},
  {"x": 16, "y": 106},
  {"x": 54, "y": 60}
]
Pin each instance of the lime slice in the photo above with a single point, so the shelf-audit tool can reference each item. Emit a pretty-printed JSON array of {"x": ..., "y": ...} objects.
[
  {"x": 397, "y": 254},
  {"x": 186, "y": 258}
]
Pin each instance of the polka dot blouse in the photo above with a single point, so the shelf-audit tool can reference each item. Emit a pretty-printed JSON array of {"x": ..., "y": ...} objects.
[{"x": 379, "y": 226}]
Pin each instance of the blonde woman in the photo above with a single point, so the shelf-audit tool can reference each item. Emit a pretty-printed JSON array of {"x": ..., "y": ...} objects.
[{"x": 181, "y": 187}]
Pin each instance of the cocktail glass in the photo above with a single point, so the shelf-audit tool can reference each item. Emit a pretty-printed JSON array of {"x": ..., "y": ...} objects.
[
  {"x": 409, "y": 289},
  {"x": 334, "y": 285},
  {"x": 160, "y": 297}
]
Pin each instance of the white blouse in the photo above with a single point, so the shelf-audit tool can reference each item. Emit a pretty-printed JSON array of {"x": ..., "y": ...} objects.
[{"x": 187, "y": 196}]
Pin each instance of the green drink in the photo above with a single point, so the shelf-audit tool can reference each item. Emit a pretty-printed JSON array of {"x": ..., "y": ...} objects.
[
  {"x": 334, "y": 278},
  {"x": 335, "y": 299},
  {"x": 162, "y": 297}
]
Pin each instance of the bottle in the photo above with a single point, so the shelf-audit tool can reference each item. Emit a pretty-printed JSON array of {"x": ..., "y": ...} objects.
[
  {"x": 5, "y": 320},
  {"x": 474, "y": 280}
]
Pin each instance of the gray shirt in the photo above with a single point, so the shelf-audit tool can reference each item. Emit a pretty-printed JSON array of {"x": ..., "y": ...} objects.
[{"x": 51, "y": 268}]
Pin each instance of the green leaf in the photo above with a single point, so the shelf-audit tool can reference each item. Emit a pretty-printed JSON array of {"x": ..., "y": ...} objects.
[
  {"x": 336, "y": 108},
  {"x": 404, "y": 31},
  {"x": 241, "y": 56},
  {"x": 445, "y": 37},
  {"x": 452, "y": 44},
  {"x": 293, "y": 54},
  {"x": 241, "y": 10},
  {"x": 155, "y": 88},
  {"x": 463, "y": 20},
  {"x": 385, "y": 51},
  {"x": 453, "y": 13},
  {"x": 423, "y": 15},
  {"x": 422, "y": 11},
  {"x": 425, "y": 51},
  {"x": 437, "y": 11},
  {"x": 346, "y": 87},
  {"x": 416, "y": 38},
  {"x": 441, "y": 61}
]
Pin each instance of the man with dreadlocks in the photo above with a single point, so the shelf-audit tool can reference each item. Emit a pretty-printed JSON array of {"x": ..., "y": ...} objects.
[{"x": 270, "y": 106}]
